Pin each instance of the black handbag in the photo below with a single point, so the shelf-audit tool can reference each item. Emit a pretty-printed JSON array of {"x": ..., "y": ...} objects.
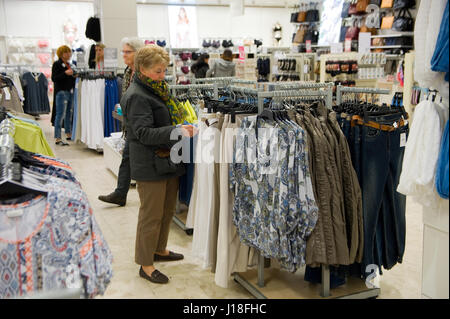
[
  {"x": 403, "y": 21},
  {"x": 404, "y": 4},
  {"x": 399, "y": 41},
  {"x": 294, "y": 16},
  {"x": 312, "y": 15},
  {"x": 345, "y": 7},
  {"x": 376, "y": 2},
  {"x": 312, "y": 35}
]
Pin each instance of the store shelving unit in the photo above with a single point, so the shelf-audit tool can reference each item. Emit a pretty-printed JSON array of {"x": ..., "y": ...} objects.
[
  {"x": 393, "y": 35},
  {"x": 392, "y": 47}
]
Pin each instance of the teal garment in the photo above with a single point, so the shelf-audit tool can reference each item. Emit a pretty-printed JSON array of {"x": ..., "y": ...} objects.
[
  {"x": 31, "y": 138},
  {"x": 440, "y": 59}
]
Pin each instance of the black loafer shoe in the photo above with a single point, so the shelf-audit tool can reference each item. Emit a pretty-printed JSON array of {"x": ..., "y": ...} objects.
[
  {"x": 157, "y": 277},
  {"x": 113, "y": 198},
  {"x": 170, "y": 257}
]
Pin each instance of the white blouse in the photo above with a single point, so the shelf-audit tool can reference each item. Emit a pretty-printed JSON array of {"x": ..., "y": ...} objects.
[{"x": 422, "y": 152}]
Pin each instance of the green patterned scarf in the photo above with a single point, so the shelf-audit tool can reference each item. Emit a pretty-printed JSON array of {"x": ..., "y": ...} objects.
[{"x": 177, "y": 112}]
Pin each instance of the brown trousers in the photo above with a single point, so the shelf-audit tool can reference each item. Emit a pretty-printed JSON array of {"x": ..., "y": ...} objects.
[{"x": 158, "y": 204}]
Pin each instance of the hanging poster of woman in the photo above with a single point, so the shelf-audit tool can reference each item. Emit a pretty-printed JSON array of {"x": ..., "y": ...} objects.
[{"x": 183, "y": 26}]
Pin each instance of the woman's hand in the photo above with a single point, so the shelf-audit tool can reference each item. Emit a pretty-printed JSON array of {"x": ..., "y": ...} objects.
[
  {"x": 189, "y": 130},
  {"x": 69, "y": 72}
]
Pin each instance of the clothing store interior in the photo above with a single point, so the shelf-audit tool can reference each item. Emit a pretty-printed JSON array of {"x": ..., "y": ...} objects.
[{"x": 224, "y": 149}]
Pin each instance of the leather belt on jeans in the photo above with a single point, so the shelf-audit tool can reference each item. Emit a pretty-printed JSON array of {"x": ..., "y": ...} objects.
[{"x": 356, "y": 119}]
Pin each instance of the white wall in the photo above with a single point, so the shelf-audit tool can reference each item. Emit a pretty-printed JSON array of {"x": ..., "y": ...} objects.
[
  {"x": 217, "y": 22},
  {"x": 44, "y": 19},
  {"x": 118, "y": 20}
]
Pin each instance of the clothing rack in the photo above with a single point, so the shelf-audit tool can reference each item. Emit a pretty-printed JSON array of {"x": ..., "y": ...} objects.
[
  {"x": 218, "y": 79},
  {"x": 229, "y": 80},
  {"x": 242, "y": 81},
  {"x": 89, "y": 73},
  {"x": 244, "y": 90},
  {"x": 325, "y": 285},
  {"x": 174, "y": 88},
  {"x": 301, "y": 85},
  {"x": 21, "y": 67},
  {"x": 327, "y": 93},
  {"x": 344, "y": 89}
]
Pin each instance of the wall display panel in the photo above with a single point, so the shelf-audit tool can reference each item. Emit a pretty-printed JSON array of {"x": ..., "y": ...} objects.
[
  {"x": 217, "y": 22},
  {"x": 183, "y": 26},
  {"x": 61, "y": 22},
  {"x": 152, "y": 21}
]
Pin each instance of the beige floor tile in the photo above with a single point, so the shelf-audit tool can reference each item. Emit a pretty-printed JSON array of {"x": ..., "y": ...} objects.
[{"x": 187, "y": 278}]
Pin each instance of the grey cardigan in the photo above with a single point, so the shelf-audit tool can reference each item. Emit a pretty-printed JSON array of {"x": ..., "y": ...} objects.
[
  {"x": 222, "y": 68},
  {"x": 149, "y": 126}
]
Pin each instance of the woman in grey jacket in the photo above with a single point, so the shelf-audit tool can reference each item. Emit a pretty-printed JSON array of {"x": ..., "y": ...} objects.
[
  {"x": 224, "y": 67},
  {"x": 151, "y": 115}
]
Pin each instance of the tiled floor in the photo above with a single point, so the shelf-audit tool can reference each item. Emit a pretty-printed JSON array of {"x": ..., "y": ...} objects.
[{"x": 187, "y": 278}]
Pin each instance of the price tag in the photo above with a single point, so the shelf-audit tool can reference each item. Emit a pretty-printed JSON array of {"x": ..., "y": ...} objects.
[
  {"x": 308, "y": 46},
  {"x": 14, "y": 213},
  {"x": 348, "y": 45},
  {"x": 403, "y": 140}
]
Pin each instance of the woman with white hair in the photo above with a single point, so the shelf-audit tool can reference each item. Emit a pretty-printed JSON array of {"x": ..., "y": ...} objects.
[{"x": 119, "y": 196}]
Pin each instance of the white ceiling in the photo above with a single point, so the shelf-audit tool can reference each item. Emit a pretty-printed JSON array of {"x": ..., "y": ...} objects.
[
  {"x": 263, "y": 3},
  {"x": 278, "y": 3}
]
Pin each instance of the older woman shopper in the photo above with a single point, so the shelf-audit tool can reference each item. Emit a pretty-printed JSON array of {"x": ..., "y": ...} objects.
[
  {"x": 151, "y": 115},
  {"x": 119, "y": 196},
  {"x": 64, "y": 81}
]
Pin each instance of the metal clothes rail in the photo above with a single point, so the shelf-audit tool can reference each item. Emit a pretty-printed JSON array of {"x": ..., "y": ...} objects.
[
  {"x": 174, "y": 88},
  {"x": 226, "y": 81},
  {"x": 277, "y": 86},
  {"x": 23, "y": 67},
  {"x": 343, "y": 89},
  {"x": 218, "y": 79},
  {"x": 327, "y": 93}
]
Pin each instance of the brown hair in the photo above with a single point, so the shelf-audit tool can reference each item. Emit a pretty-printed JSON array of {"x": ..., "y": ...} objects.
[
  {"x": 227, "y": 55},
  {"x": 61, "y": 50},
  {"x": 150, "y": 55}
]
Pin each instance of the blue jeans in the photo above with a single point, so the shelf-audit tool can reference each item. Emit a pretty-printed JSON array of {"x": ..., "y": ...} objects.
[
  {"x": 63, "y": 104},
  {"x": 384, "y": 219}
]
